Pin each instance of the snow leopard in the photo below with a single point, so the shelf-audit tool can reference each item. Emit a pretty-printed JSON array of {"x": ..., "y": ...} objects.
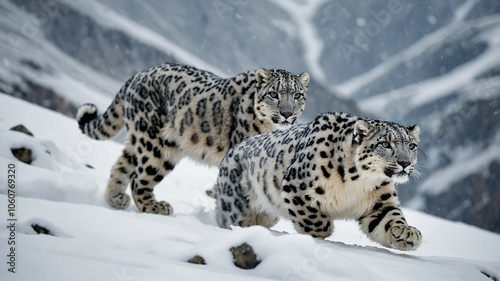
[
  {"x": 338, "y": 166},
  {"x": 172, "y": 111}
]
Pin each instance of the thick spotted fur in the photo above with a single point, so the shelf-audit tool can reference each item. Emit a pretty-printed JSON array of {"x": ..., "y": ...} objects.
[
  {"x": 337, "y": 167},
  {"x": 173, "y": 111}
]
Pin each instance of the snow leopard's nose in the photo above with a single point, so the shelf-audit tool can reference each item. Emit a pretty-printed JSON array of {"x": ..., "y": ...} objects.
[
  {"x": 286, "y": 108},
  {"x": 404, "y": 164},
  {"x": 286, "y": 114}
]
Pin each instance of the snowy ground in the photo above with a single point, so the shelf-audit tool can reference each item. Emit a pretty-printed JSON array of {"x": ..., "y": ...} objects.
[{"x": 91, "y": 241}]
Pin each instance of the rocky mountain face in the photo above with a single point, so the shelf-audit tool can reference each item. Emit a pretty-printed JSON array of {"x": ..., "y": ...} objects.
[{"x": 433, "y": 63}]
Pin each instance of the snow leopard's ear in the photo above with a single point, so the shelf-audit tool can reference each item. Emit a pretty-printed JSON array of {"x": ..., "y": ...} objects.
[
  {"x": 414, "y": 131},
  {"x": 304, "y": 79},
  {"x": 262, "y": 76},
  {"x": 362, "y": 130}
]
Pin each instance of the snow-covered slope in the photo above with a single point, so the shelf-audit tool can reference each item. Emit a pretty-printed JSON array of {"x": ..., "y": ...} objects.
[
  {"x": 434, "y": 63},
  {"x": 91, "y": 241}
]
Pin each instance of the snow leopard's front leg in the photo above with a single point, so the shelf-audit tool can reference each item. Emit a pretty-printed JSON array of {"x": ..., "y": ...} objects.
[
  {"x": 302, "y": 198},
  {"x": 384, "y": 223}
]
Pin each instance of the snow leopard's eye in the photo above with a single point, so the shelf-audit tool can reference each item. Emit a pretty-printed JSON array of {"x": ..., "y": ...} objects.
[
  {"x": 273, "y": 95},
  {"x": 385, "y": 144},
  {"x": 412, "y": 146},
  {"x": 298, "y": 96}
]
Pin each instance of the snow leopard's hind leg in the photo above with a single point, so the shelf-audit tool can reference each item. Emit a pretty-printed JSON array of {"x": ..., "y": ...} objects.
[
  {"x": 237, "y": 211},
  {"x": 121, "y": 173},
  {"x": 156, "y": 159},
  {"x": 232, "y": 203}
]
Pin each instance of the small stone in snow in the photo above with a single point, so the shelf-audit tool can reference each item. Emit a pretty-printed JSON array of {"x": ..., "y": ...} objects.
[
  {"x": 23, "y": 154},
  {"x": 197, "y": 260},
  {"x": 244, "y": 256},
  {"x": 22, "y": 129},
  {"x": 40, "y": 229}
]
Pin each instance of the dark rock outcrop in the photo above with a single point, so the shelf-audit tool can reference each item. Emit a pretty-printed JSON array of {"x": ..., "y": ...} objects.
[
  {"x": 197, "y": 260},
  {"x": 41, "y": 229},
  {"x": 23, "y": 154},
  {"x": 22, "y": 129},
  {"x": 244, "y": 257}
]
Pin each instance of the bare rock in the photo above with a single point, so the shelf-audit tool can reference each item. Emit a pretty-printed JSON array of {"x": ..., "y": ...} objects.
[
  {"x": 23, "y": 154},
  {"x": 244, "y": 257},
  {"x": 22, "y": 129},
  {"x": 40, "y": 229},
  {"x": 197, "y": 260}
]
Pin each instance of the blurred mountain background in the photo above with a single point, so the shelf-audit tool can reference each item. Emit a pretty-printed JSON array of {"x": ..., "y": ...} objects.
[{"x": 433, "y": 63}]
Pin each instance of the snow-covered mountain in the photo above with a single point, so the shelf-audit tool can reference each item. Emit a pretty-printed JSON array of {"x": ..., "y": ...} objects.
[
  {"x": 434, "y": 63},
  {"x": 60, "y": 195}
]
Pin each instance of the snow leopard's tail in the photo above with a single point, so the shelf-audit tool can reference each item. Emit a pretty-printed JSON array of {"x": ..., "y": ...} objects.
[{"x": 105, "y": 126}]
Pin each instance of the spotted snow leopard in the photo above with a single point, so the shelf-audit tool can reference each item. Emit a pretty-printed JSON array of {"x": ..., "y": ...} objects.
[
  {"x": 173, "y": 111},
  {"x": 336, "y": 167}
]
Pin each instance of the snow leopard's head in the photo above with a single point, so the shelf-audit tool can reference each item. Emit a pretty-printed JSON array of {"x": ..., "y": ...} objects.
[
  {"x": 386, "y": 148},
  {"x": 281, "y": 96}
]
